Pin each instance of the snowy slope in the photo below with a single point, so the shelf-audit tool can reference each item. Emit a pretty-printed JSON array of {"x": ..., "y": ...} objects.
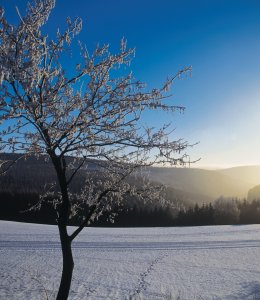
[{"x": 220, "y": 262}]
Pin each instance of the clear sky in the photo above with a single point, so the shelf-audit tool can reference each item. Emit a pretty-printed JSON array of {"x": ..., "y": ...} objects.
[{"x": 219, "y": 38}]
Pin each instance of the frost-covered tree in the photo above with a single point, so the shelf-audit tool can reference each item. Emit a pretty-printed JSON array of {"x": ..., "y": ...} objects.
[{"x": 91, "y": 113}]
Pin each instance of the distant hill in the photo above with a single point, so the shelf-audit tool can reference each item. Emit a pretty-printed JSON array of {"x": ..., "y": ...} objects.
[
  {"x": 189, "y": 185},
  {"x": 209, "y": 183},
  {"x": 31, "y": 175},
  {"x": 249, "y": 174}
]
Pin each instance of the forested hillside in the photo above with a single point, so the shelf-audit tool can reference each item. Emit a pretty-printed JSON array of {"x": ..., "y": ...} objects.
[{"x": 26, "y": 180}]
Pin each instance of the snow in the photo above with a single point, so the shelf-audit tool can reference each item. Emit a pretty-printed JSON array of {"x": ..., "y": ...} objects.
[{"x": 218, "y": 262}]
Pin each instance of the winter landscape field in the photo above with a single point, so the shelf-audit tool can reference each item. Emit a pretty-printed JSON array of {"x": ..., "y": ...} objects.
[{"x": 219, "y": 262}]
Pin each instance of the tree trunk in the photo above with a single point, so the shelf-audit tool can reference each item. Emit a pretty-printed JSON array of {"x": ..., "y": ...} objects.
[
  {"x": 68, "y": 264},
  {"x": 63, "y": 215}
]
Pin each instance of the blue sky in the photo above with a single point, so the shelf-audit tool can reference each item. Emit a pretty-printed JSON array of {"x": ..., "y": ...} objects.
[{"x": 220, "y": 39}]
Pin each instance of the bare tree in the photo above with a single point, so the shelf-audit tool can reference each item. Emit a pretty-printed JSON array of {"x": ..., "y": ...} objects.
[{"x": 93, "y": 114}]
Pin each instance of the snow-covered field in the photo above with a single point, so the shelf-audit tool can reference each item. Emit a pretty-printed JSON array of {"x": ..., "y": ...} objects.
[{"x": 221, "y": 262}]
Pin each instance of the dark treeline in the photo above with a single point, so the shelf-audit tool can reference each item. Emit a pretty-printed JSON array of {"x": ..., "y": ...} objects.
[
  {"x": 221, "y": 213},
  {"x": 15, "y": 206},
  {"x": 18, "y": 206}
]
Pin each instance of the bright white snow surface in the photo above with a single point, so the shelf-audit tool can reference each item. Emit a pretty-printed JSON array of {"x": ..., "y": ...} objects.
[{"x": 218, "y": 262}]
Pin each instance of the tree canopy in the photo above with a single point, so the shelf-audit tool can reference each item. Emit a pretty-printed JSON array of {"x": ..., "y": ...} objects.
[{"x": 94, "y": 113}]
